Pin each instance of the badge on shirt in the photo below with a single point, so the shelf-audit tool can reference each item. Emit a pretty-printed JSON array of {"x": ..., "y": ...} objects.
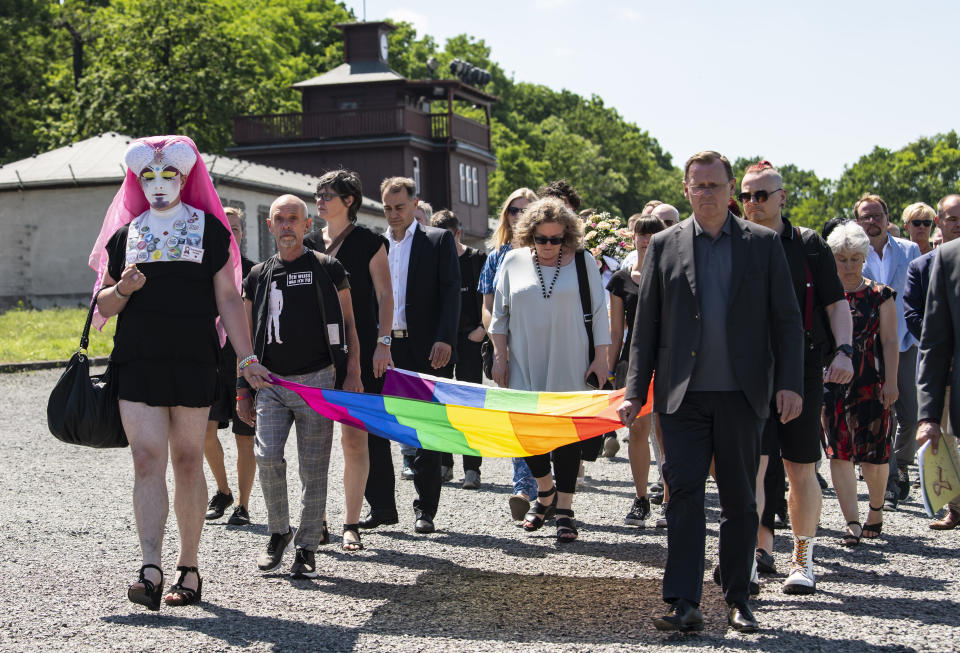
[
  {"x": 333, "y": 334},
  {"x": 191, "y": 253}
]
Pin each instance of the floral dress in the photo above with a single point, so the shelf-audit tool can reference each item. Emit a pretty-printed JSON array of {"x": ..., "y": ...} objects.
[{"x": 857, "y": 426}]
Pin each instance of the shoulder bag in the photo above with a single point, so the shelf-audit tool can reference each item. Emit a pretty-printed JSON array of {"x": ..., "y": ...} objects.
[{"x": 84, "y": 409}]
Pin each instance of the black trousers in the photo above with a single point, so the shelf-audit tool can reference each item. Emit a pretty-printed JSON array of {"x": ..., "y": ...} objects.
[
  {"x": 469, "y": 367},
  {"x": 566, "y": 464},
  {"x": 720, "y": 425},
  {"x": 381, "y": 483}
]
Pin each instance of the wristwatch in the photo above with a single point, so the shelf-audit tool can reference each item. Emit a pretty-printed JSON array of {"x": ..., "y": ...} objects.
[
  {"x": 385, "y": 340},
  {"x": 846, "y": 350}
]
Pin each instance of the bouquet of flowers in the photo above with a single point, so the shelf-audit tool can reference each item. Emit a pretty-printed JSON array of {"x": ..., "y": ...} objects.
[{"x": 608, "y": 239}]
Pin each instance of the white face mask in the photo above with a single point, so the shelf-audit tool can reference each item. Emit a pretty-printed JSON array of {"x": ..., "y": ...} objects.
[{"x": 161, "y": 185}]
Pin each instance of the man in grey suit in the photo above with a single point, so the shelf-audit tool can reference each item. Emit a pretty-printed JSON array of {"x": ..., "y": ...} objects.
[
  {"x": 939, "y": 362},
  {"x": 717, "y": 320},
  {"x": 887, "y": 262}
]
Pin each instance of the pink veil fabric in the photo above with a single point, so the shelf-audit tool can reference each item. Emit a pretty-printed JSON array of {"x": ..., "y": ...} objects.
[{"x": 130, "y": 202}]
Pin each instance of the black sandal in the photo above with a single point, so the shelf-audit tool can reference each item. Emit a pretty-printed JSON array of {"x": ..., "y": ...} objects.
[
  {"x": 325, "y": 533},
  {"x": 566, "y": 531},
  {"x": 351, "y": 545},
  {"x": 539, "y": 513},
  {"x": 873, "y": 528},
  {"x": 184, "y": 595},
  {"x": 849, "y": 539},
  {"x": 148, "y": 595}
]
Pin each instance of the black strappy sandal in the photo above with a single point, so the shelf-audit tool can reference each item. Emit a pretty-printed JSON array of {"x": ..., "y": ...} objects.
[
  {"x": 149, "y": 595},
  {"x": 354, "y": 545},
  {"x": 849, "y": 539},
  {"x": 184, "y": 595},
  {"x": 566, "y": 531},
  {"x": 873, "y": 528},
  {"x": 539, "y": 513}
]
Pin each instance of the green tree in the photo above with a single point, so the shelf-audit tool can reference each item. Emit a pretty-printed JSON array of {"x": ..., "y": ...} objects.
[{"x": 922, "y": 171}]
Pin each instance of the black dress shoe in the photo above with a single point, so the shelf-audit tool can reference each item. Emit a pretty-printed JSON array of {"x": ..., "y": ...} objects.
[
  {"x": 424, "y": 523},
  {"x": 372, "y": 521},
  {"x": 683, "y": 616},
  {"x": 741, "y": 618}
]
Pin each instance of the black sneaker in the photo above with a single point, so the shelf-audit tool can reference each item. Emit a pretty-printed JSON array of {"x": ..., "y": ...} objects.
[
  {"x": 218, "y": 504},
  {"x": 240, "y": 517},
  {"x": 273, "y": 556},
  {"x": 890, "y": 500},
  {"x": 765, "y": 562},
  {"x": 903, "y": 483},
  {"x": 638, "y": 513},
  {"x": 304, "y": 565}
]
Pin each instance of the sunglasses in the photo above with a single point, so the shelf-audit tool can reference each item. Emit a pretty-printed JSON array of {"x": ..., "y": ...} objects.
[
  {"x": 515, "y": 210},
  {"x": 760, "y": 196},
  {"x": 921, "y": 223},
  {"x": 326, "y": 197},
  {"x": 553, "y": 240}
]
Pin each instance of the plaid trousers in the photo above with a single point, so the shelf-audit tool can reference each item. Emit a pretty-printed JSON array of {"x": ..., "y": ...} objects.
[{"x": 277, "y": 409}]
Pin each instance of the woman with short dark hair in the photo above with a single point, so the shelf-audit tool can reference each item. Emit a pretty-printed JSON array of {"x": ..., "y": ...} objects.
[
  {"x": 624, "y": 287},
  {"x": 363, "y": 253}
]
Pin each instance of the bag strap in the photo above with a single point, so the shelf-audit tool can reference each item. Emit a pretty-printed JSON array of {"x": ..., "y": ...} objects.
[
  {"x": 336, "y": 242},
  {"x": 808, "y": 302},
  {"x": 581, "y": 262},
  {"x": 85, "y": 336}
]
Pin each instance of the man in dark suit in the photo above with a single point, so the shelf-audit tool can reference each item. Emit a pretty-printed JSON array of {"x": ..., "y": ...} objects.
[
  {"x": 425, "y": 274},
  {"x": 939, "y": 367},
  {"x": 717, "y": 320}
]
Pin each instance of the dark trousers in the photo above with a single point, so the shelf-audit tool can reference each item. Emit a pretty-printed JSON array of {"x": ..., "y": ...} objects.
[
  {"x": 903, "y": 449},
  {"x": 723, "y": 426},
  {"x": 426, "y": 464},
  {"x": 774, "y": 492},
  {"x": 566, "y": 464},
  {"x": 469, "y": 367}
]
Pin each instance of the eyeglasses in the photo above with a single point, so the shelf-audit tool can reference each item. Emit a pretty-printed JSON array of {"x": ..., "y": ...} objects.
[
  {"x": 760, "y": 196},
  {"x": 553, "y": 240},
  {"x": 326, "y": 197},
  {"x": 515, "y": 210},
  {"x": 702, "y": 189},
  {"x": 921, "y": 223},
  {"x": 871, "y": 217}
]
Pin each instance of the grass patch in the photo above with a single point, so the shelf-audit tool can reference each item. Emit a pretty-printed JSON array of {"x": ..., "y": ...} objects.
[{"x": 51, "y": 334}]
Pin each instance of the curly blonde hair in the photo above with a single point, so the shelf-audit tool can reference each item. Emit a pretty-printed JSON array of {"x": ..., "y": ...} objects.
[{"x": 549, "y": 209}]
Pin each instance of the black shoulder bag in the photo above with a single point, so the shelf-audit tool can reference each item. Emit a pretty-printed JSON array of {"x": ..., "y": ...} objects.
[
  {"x": 84, "y": 409},
  {"x": 589, "y": 449}
]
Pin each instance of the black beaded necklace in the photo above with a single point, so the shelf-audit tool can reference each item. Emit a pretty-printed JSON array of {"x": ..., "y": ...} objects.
[{"x": 543, "y": 286}]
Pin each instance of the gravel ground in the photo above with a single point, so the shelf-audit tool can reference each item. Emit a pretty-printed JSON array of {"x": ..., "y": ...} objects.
[{"x": 479, "y": 584}]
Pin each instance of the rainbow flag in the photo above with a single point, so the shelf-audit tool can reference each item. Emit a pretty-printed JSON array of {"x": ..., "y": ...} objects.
[{"x": 466, "y": 418}]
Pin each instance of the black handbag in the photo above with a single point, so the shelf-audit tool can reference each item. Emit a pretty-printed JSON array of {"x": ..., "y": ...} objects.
[
  {"x": 486, "y": 353},
  {"x": 84, "y": 409}
]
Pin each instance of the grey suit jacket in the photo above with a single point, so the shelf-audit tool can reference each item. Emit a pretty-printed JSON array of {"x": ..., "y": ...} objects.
[
  {"x": 764, "y": 327},
  {"x": 938, "y": 361}
]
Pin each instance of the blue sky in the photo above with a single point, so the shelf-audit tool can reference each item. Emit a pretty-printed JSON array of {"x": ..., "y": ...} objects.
[{"x": 813, "y": 83}]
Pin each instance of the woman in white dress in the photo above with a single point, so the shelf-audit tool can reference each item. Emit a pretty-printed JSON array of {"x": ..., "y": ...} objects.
[{"x": 540, "y": 338}]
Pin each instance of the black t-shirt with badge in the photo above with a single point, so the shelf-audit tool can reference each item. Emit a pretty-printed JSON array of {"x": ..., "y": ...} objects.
[{"x": 296, "y": 336}]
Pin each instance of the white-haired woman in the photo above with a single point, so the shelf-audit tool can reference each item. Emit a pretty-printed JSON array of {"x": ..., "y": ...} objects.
[{"x": 856, "y": 416}]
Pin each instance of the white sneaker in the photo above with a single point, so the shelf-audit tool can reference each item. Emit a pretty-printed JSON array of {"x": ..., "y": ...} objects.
[
  {"x": 662, "y": 519},
  {"x": 801, "y": 579}
]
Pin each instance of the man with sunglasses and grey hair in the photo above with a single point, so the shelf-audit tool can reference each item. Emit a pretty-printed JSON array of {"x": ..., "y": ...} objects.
[{"x": 825, "y": 312}]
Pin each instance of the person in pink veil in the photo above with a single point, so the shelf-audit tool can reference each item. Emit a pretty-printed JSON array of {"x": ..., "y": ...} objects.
[{"x": 167, "y": 266}]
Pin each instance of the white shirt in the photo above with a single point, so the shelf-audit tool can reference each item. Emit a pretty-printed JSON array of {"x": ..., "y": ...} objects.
[
  {"x": 883, "y": 264},
  {"x": 399, "y": 259}
]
